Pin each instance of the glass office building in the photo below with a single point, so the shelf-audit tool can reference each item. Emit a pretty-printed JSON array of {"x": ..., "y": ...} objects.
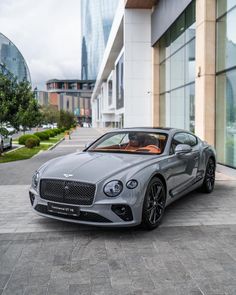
[
  {"x": 97, "y": 18},
  {"x": 12, "y": 63},
  {"x": 226, "y": 82}
]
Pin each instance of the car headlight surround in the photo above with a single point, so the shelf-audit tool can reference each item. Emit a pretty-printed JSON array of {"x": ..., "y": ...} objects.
[
  {"x": 132, "y": 183},
  {"x": 35, "y": 180},
  {"x": 113, "y": 188}
]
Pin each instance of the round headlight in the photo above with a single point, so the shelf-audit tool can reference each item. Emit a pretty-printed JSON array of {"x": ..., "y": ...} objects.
[
  {"x": 131, "y": 184},
  {"x": 113, "y": 188},
  {"x": 35, "y": 180}
]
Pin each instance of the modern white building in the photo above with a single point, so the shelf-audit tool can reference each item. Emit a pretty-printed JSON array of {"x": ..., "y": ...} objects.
[
  {"x": 172, "y": 63},
  {"x": 126, "y": 71}
]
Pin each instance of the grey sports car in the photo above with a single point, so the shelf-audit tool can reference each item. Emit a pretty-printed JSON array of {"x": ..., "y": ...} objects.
[{"x": 125, "y": 178}]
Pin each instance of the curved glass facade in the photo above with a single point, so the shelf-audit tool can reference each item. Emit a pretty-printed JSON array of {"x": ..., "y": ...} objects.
[
  {"x": 12, "y": 63},
  {"x": 97, "y": 18}
]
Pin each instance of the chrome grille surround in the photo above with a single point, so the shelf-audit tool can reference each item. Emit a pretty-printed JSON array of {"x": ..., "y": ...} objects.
[{"x": 67, "y": 191}]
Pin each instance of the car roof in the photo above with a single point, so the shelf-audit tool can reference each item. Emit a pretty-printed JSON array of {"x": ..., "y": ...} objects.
[{"x": 167, "y": 130}]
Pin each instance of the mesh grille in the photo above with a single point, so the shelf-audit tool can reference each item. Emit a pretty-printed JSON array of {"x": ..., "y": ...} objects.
[{"x": 70, "y": 192}]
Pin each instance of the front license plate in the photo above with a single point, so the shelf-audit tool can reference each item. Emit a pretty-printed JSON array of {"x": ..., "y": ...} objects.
[{"x": 63, "y": 209}]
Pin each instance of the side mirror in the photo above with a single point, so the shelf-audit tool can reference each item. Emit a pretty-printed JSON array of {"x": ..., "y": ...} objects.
[{"x": 182, "y": 149}]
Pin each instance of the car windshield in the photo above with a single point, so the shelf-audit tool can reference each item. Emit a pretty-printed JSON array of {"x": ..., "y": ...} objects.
[{"x": 131, "y": 142}]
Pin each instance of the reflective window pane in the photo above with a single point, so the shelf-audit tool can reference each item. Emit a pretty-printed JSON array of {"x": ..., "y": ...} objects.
[
  {"x": 190, "y": 62},
  {"x": 190, "y": 14},
  {"x": 177, "y": 33},
  {"x": 190, "y": 107},
  {"x": 177, "y": 69},
  {"x": 164, "y": 46},
  {"x": 226, "y": 41},
  {"x": 224, "y": 5},
  {"x": 165, "y": 76},
  {"x": 177, "y": 108},
  {"x": 226, "y": 118},
  {"x": 164, "y": 110}
]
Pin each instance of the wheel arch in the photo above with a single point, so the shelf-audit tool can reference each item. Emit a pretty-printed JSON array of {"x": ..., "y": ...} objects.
[
  {"x": 162, "y": 178},
  {"x": 213, "y": 157}
]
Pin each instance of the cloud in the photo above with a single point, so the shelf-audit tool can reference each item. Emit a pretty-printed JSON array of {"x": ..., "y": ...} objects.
[{"x": 48, "y": 34}]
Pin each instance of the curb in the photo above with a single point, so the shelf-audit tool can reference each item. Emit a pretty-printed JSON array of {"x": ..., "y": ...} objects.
[
  {"x": 36, "y": 154},
  {"x": 19, "y": 147},
  {"x": 52, "y": 147}
]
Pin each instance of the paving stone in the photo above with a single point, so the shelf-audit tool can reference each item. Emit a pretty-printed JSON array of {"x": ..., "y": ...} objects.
[
  {"x": 36, "y": 290},
  {"x": 193, "y": 252},
  {"x": 58, "y": 287},
  {"x": 3, "y": 280},
  {"x": 81, "y": 289}
]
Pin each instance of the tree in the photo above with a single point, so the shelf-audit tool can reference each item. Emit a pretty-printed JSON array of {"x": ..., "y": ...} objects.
[
  {"x": 30, "y": 116},
  {"x": 17, "y": 103},
  {"x": 49, "y": 114},
  {"x": 7, "y": 97},
  {"x": 66, "y": 119}
]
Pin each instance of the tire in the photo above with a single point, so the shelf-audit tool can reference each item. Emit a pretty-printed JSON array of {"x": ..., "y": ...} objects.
[
  {"x": 209, "y": 179},
  {"x": 10, "y": 147},
  {"x": 154, "y": 204}
]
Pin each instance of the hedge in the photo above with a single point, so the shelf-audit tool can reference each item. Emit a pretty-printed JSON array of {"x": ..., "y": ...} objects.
[
  {"x": 22, "y": 139},
  {"x": 42, "y": 135},
  {"x": 31, "y": 142}
]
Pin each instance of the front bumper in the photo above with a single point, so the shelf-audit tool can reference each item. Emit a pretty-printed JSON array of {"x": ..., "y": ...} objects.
[{"x": 103, "y": 213}]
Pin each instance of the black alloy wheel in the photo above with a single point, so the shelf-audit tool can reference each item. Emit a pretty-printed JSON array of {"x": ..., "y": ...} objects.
[
  {"x": 154, "y": 204},
  {"x": 209, "y": 180}
]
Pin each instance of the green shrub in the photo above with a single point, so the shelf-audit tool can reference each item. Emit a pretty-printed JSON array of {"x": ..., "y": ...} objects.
[
  {"x": 22, "y": 139},
  {"x": 50, "y": 133},
  {"x": 58, "y": 130},
  {"x": 63, "y": 129},
  {"x": 31, "y": 142},
  {"x": 54, "y": 131},
  {"x": 42, "y": 135}
]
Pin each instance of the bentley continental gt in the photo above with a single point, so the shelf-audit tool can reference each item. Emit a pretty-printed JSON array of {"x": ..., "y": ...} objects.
[{"x": 126, "y": 177}]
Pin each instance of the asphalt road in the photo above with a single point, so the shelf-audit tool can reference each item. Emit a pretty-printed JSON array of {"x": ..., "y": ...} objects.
[{"x": 193, "y": 252}]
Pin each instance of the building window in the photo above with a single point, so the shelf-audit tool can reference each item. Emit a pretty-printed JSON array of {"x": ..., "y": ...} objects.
[
  {"x": 226, "y": 82},
  {"x": 177, "y": 72},
  {"x": 110, "y": 92},
  {"x": 120, "y": 83}
]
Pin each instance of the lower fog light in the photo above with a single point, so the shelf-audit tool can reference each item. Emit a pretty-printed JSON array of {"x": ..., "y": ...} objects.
[
  {"x": 32, "y": 198},
  {"x": 123, "y": 211}
]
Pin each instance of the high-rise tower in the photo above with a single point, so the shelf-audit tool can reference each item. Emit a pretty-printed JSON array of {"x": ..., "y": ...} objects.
[{"x": 97, "y": 18}]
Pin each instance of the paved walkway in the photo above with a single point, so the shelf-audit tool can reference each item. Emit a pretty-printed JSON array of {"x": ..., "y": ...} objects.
[{"x": 192, "y": 253}]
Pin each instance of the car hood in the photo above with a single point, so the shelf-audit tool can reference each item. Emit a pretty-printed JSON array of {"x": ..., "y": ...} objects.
[{"x": 92, "y": 167}]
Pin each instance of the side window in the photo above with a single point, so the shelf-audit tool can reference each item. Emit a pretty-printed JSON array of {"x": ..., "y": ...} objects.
[{"x": 192, "y": 140}]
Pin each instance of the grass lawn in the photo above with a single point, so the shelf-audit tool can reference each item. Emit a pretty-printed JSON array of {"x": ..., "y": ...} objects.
[
  {"x": 53, "y": 140},
  {"x": 22, "y": 154},
  {"x": 25, "y": 153}
]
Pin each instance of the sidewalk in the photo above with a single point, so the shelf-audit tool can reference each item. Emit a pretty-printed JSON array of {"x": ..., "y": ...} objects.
[{"x": 225, "y": 173}]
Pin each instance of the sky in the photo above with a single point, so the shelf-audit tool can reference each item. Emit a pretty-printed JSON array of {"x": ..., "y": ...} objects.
[{"x": 47, "y": 33}]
